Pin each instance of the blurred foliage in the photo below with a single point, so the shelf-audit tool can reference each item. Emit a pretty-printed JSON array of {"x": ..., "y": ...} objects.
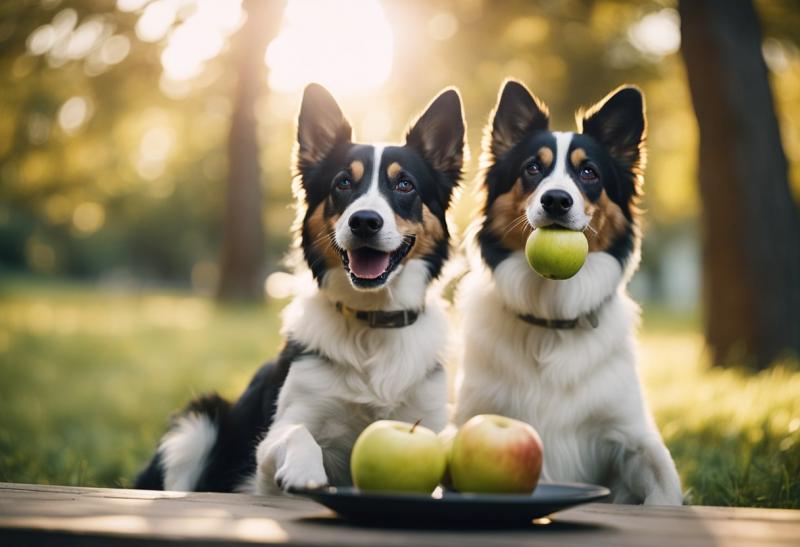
[
  {"x": 735, "y": 436},
  {"x": 110, "y": 167},
  {"x": 104, "y": 368},
  {"x": 89, "y": 376}
]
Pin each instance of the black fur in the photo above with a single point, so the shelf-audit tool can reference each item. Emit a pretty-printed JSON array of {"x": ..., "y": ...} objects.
[
  {"x": 518, "y": 114},
  {"x": 240, "y": 426},
  {"x": 618, "y": 126},
  {"x": 431, "y": 160},
  {"x": 152, "y": 477},
  {"x": 613, "y": 134}
]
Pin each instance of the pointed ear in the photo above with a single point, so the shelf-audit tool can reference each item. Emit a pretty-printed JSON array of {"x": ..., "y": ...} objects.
[
  {"x": 618, "y": 123},
  {"x": 320, "y": 127},
  {"x": 518, "y": 112},
  {"x": 438, "y": 134}
]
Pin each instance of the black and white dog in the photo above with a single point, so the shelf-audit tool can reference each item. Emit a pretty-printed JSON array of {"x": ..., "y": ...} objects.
[
  {"x": 561, "y": 355},
  {"x": 365, "y": 342}
]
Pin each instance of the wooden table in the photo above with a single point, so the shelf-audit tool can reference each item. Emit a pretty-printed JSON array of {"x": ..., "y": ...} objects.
[{"x": 61, "y": 515}]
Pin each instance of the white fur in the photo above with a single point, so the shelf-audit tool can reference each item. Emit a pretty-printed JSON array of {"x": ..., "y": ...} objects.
[
  {"x": 184, "y": 450},
  {"x": 359, "y": 375},
  {"x": 389, "y": 238},
  {"x": 558, "y": 179},
  {"x": 579, "y": 388}
]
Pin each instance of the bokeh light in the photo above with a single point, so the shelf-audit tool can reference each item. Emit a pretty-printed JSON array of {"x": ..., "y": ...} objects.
[
  {"x": 657, "y": 33},
  {"x": 74, "y": 113},
  {"x": 344, "y": 45},
  {"x": 200, "y": 37}
]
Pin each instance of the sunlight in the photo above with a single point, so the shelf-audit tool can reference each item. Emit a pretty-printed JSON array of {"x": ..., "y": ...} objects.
[
  {"x": 195, "y": 31},
  {"x": 346, "y": 46},
  {"x": 200, "y": 37},
  {"x": 658, "y": 33}
]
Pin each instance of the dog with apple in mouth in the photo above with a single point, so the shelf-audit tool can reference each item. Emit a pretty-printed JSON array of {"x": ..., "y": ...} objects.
[
  {"x": 561, "y": 354},
  {"x": 366, "y": 340}
]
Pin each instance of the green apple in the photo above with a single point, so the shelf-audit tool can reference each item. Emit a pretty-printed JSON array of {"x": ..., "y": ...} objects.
[
  {"x": 496, "y": 454},
  {"x": 556, "y": 253},
  {"x": 397, "y": 456}
]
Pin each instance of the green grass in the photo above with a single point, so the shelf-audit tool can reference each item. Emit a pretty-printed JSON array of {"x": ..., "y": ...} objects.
[
  {"x": 88, "y": 376},
  {"x": 735, "y": 436}
]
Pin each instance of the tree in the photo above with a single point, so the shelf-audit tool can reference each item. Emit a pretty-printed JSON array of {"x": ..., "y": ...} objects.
[
  {"x": 750, "y": 225},
  {"x": 242, "y": 260}
]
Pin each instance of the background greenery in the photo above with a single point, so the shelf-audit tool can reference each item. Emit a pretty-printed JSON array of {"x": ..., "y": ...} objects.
[
  {"x": 133, "y": 189},
  {"x": 110, "y": 221}
]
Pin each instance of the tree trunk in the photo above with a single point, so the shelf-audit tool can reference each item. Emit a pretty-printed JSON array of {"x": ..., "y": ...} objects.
[
  {"x": 243, "y": 251},
  {"x": 751, "y": 231}
]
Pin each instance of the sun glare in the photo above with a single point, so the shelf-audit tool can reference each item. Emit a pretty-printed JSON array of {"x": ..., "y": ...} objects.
[
  {"x": 200, "y": 37},
  {"x": 345, "y": 45}
]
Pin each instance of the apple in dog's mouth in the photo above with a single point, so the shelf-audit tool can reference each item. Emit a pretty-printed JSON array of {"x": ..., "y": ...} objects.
[
  {"x": 369, "y": 267},
  {"x": 555, "y": 252}
]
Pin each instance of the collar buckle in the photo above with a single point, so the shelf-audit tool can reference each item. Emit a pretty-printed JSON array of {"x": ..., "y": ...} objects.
[{"x": 345, "y": 310}]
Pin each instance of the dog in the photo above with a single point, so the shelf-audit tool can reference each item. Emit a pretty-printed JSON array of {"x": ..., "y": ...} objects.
[
  {"x": 366, "y": 341},
  {"x": 561, "y": 355}
]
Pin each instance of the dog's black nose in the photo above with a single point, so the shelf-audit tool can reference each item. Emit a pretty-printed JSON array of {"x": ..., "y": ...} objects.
[
  {"x": 365, "y": 223},
  {"x": 556, "y": 202}
]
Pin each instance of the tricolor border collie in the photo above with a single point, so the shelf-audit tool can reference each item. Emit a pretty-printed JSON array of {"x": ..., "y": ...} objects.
[
  {"x": 366, "y": 341},
  {"x": 561, "y": 355}
]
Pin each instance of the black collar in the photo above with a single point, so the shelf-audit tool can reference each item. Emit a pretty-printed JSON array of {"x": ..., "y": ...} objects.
[
  {"x": 380, "y": 319},
  {"x": 549, "y": 323},
  {"x": 562, "y": 324}
]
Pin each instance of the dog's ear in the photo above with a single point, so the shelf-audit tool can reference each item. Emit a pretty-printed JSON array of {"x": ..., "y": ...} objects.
[
  {"x": 438, "y": 134},
  {"x": 518, "y": 112},
  {"x": 320, "y": 127},
  {"x": 618, "y": 123}
]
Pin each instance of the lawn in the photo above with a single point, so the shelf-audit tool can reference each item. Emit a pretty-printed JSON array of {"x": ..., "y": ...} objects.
[{"x": 88, "y": 375}]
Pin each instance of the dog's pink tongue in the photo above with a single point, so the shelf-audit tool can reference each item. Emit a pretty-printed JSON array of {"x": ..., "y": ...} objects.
[{"x": 368, "y": 263}]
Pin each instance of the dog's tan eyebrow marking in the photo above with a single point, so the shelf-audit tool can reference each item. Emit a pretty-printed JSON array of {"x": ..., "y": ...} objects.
[
  {"x": 545, "y": 155},
  {"x": 394, "y": 169},
  {"x": 577, "y": 156},
  {"x": 357, "y": 170}
]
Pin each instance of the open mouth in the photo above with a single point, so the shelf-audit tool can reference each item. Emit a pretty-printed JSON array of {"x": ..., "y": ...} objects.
[{"x": 370, "y": 267}]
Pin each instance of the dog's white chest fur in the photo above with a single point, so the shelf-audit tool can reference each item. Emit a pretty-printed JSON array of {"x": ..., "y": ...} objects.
[
  {"x": 579, "y": 387},
  {"x": 353, "y": 376}
]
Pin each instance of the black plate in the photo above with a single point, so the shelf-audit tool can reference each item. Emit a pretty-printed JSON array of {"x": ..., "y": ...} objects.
[{"x": 452, "y": 507}]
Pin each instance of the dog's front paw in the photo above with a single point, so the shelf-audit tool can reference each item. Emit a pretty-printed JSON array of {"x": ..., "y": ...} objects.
[
  {"x": 301, "y": 473},
  {"x": 289, "y": 457},
  {"x": 292, "y": 458}
]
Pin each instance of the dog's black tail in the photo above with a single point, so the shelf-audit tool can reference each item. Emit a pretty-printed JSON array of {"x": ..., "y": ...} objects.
[
  {"x": 152, "y": 477},
  {"x": 230, "y": 463}
]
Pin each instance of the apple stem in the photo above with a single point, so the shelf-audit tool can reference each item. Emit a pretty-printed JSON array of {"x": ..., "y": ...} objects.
[{"x": 413, "y": 427}]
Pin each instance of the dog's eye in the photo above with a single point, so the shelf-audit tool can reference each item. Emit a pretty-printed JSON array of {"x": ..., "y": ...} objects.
[
  {"x": 588, "y": 174},
  {"x": 343, "y": 183},
  {"x": 404, "y": 186},
  {"x": 533, "y": 167}
]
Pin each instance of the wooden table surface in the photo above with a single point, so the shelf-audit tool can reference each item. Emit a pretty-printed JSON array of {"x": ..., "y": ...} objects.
[{"x": 62, "y": 515}]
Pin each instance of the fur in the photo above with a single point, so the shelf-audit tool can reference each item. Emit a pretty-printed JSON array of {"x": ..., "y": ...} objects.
[
  {"x": 579, "y": 388},
  {"x": 296, "y": 423}
]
